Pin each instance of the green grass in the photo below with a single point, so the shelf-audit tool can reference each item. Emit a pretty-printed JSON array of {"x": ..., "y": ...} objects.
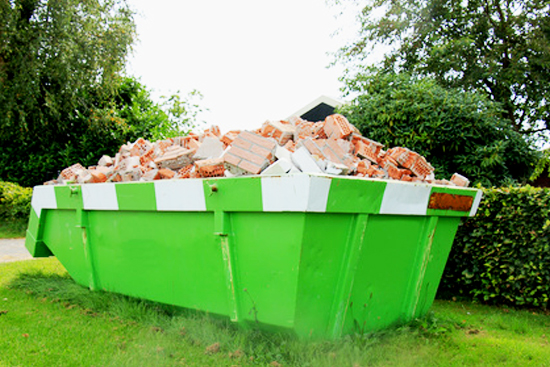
[
  {"x": 46, "y": 319},
  {"x": 13, "y": 229}
]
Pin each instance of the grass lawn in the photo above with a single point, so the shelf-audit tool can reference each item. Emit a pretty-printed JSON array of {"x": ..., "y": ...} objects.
[{"x": 46, "y": 320}]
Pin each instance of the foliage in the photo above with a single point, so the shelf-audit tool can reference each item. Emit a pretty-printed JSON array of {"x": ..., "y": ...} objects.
[
  {"x": 62, "y": 97},
  {"x": 456, "y": 131},
  {"x": 59, "y": 62},
  {"x": 133, "y": 106},
  {"x": 502, "y": 255},
  {"x": 500, "y": 48},
  {"x": 15, "y": 202}
]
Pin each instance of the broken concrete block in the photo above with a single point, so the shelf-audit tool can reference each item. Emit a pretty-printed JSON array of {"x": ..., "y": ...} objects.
[
  {"x": 460, "y": 180},
  {"x": 174, "y": 158},
  {"x": 213, "y": 167},
  {"x": 304, "y": 161},
  {"x": 105, "y": 161},
  {"x": 337, "y": 169},
  {"x": 280, "y": 167},
  {"x": 283, "y": 153},
  {"x": 150, "y": 175},
  {"x": 128, "y": 163},
  {"x": 106, "y": 170},
  {"x": 211, "y": 147},
  {"x": 130, "y": 174}
]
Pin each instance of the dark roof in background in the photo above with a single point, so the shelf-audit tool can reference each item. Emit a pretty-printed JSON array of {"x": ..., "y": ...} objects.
[{"x": 318, "y": 109}]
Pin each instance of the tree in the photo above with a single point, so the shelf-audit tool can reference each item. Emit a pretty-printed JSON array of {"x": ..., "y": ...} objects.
[
  {"x": 498, "y": 47},
  {"x": 62, "y": 95},
  {"x": 456, "y": 131},
  {"x": 59, "y": 60}
]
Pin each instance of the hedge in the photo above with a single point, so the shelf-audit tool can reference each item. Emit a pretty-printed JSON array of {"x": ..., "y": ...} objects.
[
  {"x": 15, "y": 202},
  {"x": 502, "y": 255}
]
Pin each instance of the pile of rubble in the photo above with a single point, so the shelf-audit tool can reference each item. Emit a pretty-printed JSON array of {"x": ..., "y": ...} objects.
[{"x": 333, "y": 146}]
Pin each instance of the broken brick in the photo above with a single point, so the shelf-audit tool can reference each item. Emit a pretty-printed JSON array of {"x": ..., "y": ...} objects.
[
  {"x": 227, "y": 138},
  {"x": 70, "y": 173},
  {"x": 210, "y": 167},
  {"x": 337, "y": 127},
  {"x": 460, "y": 180},
  {"x": 278, "y": 130},
  {"x": 166, "y": 173}
]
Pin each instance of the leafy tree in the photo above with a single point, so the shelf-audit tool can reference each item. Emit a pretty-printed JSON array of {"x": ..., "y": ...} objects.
[
  {"x": 498, "y": 47},
  {"x": 62, "y": 97},
  {"x": 456, "y": 131}
]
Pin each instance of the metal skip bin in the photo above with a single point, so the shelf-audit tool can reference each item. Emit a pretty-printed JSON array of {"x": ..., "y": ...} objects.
[{"x": 320, "y": 256}]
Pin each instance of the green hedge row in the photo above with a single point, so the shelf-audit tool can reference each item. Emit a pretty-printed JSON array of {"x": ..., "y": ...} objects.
[
  {"x": 502, "y": 255},
  {"x": 15, "y": 202}
]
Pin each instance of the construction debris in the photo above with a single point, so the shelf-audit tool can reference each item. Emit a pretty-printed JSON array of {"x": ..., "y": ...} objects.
[{"x": 333, "y": 147}]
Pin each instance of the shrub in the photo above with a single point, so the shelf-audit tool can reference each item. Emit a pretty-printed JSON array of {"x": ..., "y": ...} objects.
[
  {"x": 15, "y": 202},
  {"x": 502, "y": 255},
  {"x": 456, "y": 131}
]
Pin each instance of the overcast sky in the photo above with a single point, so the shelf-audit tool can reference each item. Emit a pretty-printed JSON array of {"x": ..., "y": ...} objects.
[{"x": 252, "y": 60}]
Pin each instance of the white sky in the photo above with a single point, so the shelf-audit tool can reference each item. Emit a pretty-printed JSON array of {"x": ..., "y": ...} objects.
[{"x": 252, "y": 60}]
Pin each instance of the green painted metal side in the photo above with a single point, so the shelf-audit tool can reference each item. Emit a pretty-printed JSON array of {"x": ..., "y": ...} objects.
[{"x": 319, "y": 275}]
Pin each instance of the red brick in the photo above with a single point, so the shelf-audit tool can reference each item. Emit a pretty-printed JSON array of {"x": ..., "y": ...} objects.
[
  {"x": 258, "y": 140},
  {"x": 362, "y": 150},
  {"x": 228, "y": 138},
  {"x": 250, "y": 167},
  {"x": 304, "y": 130},
  {"x": 246, "y": 155},
  {"x": 185, "y": 172},
  {"x": 147, "y": 157},
  {"x": 421, "y": 168},
  {"x": 214, "y": 130},
  {"x": 210, "y": 167},
  {"x": 231, "y": 159},
  {"x": 261, "y": 151},
  {"x": 166, "y": 173},
  {"x": 192, "y": 144},
  {"x": 363, "y": 166},
  {"x": 241, "y": 143},
  {"x": 312, "y": 147},
  {"x": 98, "y": 176},
  {"x": 394, "y": 172},
  {"x": 337, "y": 127}
]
